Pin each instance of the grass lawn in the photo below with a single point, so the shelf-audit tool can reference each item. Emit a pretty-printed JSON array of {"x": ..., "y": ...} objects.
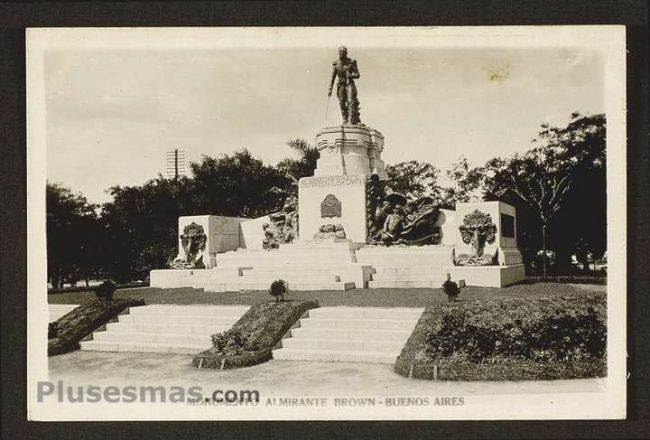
[{"x": 355, "y": 297}]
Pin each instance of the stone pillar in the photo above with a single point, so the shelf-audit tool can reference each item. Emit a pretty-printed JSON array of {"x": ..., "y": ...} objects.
[
  {"x": 350, "y": 150},
  {"x": 336, "y": 195}
]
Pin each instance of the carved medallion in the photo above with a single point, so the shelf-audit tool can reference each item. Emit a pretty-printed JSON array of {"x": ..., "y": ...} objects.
[
  {"x": 193, "y": 241},
  {"x": 330, "y": 207},
  {"x": 478, "y": 230}
]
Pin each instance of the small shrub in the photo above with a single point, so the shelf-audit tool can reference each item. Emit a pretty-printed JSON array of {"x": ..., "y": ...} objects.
[
  {"x": 451, "y": 289},
  {"x": 106, "y": 290},
  {"x": 232, "y": 342},
  {"x": 278, "y": 289}
]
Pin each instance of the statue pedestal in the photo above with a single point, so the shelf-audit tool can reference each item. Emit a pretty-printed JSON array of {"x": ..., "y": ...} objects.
[
  {"x": 350, "y": 150},
  {"x": 333, "y": 200}
]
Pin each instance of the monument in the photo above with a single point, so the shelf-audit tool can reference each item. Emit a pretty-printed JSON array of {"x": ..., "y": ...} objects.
[{"x": 347, "y": 228}]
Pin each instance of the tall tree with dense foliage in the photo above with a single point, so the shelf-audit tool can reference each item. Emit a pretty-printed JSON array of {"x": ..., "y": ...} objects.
[
  {"x": 562, "y": 161},
  {"x": 466, "y": 183},
  {"x": 73, "y": 231},
  {"x": 415, "y": 179},
  {"x": 305, "y": 165},
  {"x": 141, "y": 225},
  {"x": 239, "y": 185}
]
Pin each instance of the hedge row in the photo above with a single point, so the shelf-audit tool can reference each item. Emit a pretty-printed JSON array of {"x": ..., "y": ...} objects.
[
  {"x": 569, "y": 279},
  {"x": 508, "y": 339},
  {"x": 92, "y": 288},
  {"x": 252, "y": 338},
  {"x": 65, "y": 333}
]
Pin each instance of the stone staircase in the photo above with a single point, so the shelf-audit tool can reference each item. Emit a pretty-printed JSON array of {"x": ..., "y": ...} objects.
[
  {"x": 58, "y": 310},
  {"x": 349, "y": 334},
  {"x": 406, "y": 267},
  {"x": 317, "y": 265},
  {"x": 162, "y": 328},
  {"x": 305, "y": 265}
]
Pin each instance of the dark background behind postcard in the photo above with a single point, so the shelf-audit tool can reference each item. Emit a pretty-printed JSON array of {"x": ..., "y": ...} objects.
[{"x": 15, "y": 17}]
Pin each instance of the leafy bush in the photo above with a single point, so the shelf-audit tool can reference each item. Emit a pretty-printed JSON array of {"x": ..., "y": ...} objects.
[
  {"x": 233, "y": 342},
  {"x": 106, "y": 290},
  {"x": 277, "y": 289},
  {"x": 547, "y": 330},
  {"x": 451, "y": 289},
  {"x": 253, "y": 336}
]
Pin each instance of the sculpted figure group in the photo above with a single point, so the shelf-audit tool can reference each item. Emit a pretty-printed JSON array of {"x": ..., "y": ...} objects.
[
  {"x": 283, "y": 227},
  {"x": 393, "y": 219}
]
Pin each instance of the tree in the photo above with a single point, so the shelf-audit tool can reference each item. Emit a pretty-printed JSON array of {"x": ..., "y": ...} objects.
[
  {"x": 72, "y": 236},
  {"x": 415, "y": 179},
  {"x": 239, "y": 185},
  {"x": 544, "y": 176},
  {"x": 140, "y": 226},
  {"x": 467, "y": 183},
  {"x": 305, "y": 165}
]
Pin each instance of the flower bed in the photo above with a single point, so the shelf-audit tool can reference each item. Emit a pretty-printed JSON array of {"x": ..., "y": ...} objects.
[
  {"x": 252, "y": 338},
  {"x": 509, "y": 339},
  {"x": 65, "y": 334}
]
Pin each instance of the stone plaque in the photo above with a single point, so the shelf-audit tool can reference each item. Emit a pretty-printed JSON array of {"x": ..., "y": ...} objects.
[
  {"x": 330, "y": 207},
  {"x": 507, "y": 225}
]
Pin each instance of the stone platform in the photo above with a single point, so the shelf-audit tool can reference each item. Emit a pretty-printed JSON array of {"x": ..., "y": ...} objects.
[
  {"x": 305, "y": 265},
  {"x": 406, "y": 267},
  {"x": 316, "y": 265}
]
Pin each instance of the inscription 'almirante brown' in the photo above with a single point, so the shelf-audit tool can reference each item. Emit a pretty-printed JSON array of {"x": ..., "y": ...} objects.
[{"x": 325, "y": 182}]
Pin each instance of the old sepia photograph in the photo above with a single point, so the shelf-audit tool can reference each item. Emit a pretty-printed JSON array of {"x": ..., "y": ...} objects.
[{"x": 363, "y": 223}]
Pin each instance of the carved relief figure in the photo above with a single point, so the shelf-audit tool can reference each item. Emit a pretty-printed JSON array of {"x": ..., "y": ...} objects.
[
  {"x": 346, "y": 71},
  {"x": 330, "y": 231},
  {"x": 478, "y": 230},
  {"x": 271, "y": 239},
  {"x": 284, "y": 225},
  {"x": 193, "y": 241},
  {"x": 415, "y": 224}
]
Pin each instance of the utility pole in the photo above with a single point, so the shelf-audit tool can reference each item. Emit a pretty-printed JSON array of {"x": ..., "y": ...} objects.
[{"x": 175, "y": 164}]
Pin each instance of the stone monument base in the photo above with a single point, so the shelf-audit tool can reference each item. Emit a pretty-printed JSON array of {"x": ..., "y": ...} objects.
[{"x": 488, "y": 276}]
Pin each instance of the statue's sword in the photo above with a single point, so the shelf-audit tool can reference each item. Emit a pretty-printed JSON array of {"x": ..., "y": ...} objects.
[{"x": 327, "y": 107}]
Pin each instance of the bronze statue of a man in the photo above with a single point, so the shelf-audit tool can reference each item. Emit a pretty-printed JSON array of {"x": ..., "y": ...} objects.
[{"x": 346, "y": 70}]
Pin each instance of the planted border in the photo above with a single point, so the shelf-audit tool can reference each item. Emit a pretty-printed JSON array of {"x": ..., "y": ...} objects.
[
  {"x": 255, "y": 335},
  {"x": 65, "y": 333},
  {"x": 415, "y": 361}
]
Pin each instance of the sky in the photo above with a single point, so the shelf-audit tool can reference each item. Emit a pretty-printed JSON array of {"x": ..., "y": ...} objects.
[{"x": 111, "y": 115}]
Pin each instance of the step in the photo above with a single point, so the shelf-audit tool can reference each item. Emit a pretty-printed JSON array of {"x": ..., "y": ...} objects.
[
  {"x": 141, "y": 347},
  {"x": 405, "y": 261},
  {"x": 408, "y": 269},
  {"x": 368, "y": 323},
  {"x": 242, "y": 285},
  {"x": 335, "y": 356},
  {"x": 343, "y": 312},
  {"x": 343, "y": 345},
  {"x": 354, "y": 334},
  {"x": 290, "y": 261},
  {"x": 162, "y": 310},
  {"x": 217, "y": 321},
  {"x": 160, "y": 338},
  {"x": 407, "y": 284},
  {"x": 406, "y": 276},
  {"x": 174, "y": 327},
  {"x": 291, "y": 277}
]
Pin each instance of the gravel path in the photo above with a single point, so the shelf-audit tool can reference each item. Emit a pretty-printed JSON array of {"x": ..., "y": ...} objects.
[{"x": 281, "y": 378}]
